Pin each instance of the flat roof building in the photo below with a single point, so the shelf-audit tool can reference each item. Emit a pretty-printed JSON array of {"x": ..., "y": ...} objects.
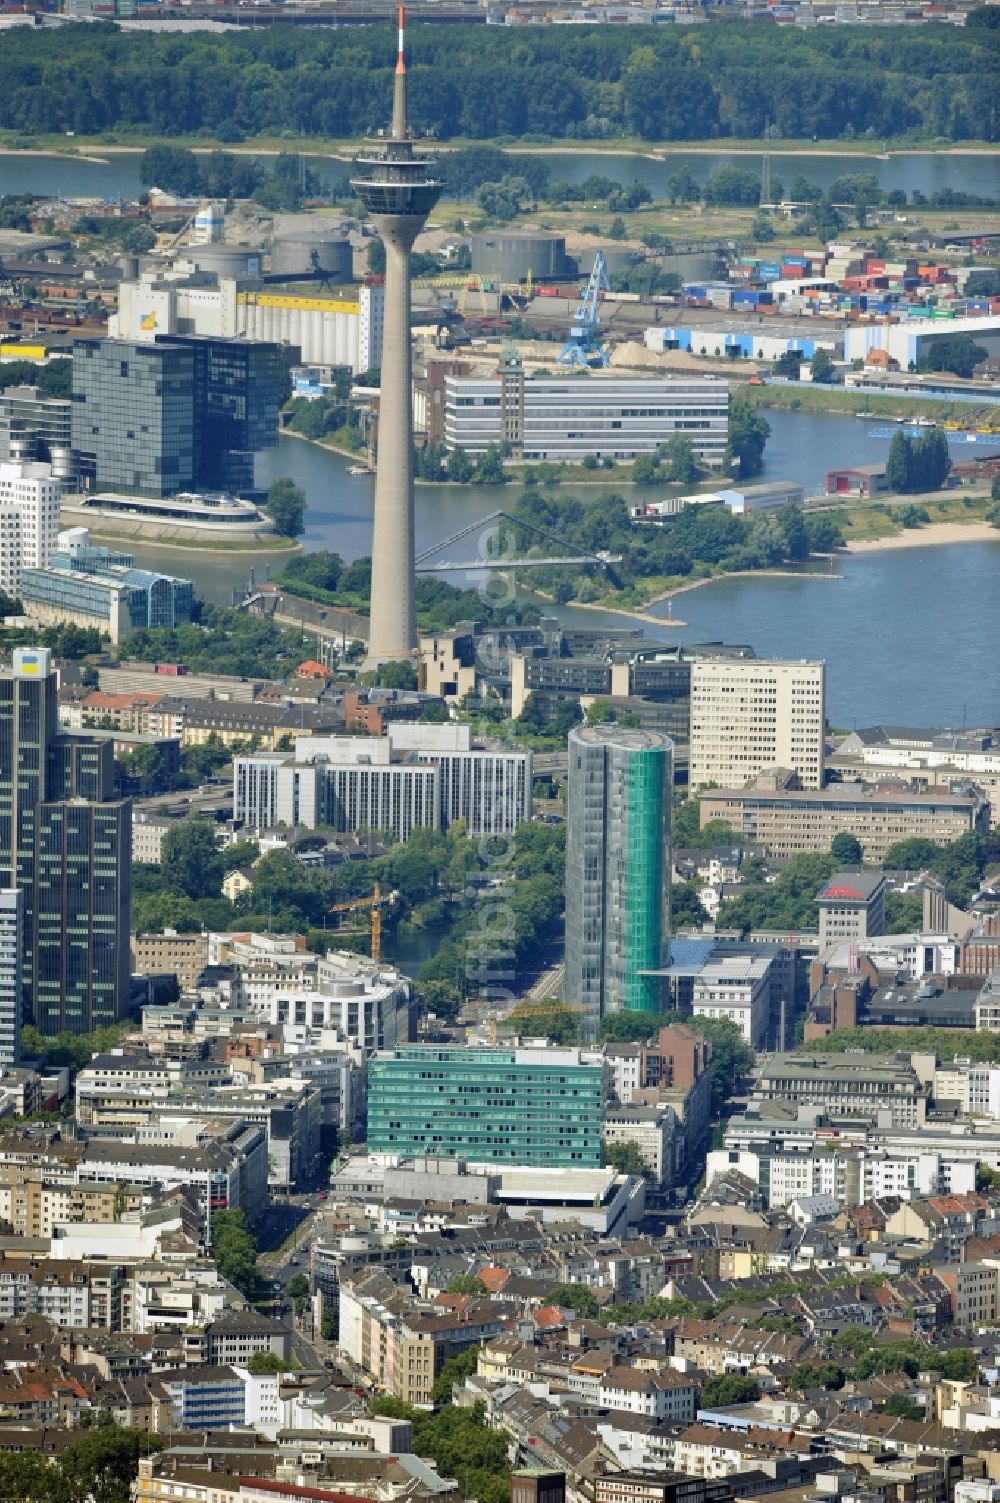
[
  {"x": 851, "y": 906},
  {"x": 95, "y": 586},
  {"x": 785, "y": 819},
  {"x": 502, "y": 1106},
  {"x": 749, "y": 713},
  {"x": 607, "y": 415}
]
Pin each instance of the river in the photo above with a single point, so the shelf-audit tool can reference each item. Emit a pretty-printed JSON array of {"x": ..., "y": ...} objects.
[
  {"x": 967, "y": 172},
  {"x": 885, "y": 622}
]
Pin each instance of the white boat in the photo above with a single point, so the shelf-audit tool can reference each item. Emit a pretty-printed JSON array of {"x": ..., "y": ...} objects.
[{"x": 358, "y": 469}]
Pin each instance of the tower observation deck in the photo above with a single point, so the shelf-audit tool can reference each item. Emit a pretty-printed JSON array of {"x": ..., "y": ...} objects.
[{"x": 398, "y": 186}]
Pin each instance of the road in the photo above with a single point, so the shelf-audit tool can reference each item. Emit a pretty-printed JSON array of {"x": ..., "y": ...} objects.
[{"x": 205, "y": 800}]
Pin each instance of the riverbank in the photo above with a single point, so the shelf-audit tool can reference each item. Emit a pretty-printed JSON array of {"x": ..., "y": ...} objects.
[
  {"x": 265, "y": 547},
  {"x": 345, "y": 150},
  {"x": 863, "y": 401},
  {"x": 930, "y": 535}
]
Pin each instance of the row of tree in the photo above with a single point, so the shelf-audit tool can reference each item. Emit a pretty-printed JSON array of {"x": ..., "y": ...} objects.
[
  {"x": 280, "y": 185},
  {"x": 699, "y": 538},
  {"x": 662, "y": 83},
  {"x": 921, "y": 464}
]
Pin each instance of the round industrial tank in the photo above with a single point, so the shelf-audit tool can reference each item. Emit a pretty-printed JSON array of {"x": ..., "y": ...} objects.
[
  {"x": 616, "y": 257},
  {"x": 298, "y": 255},
  {"x": 225, "y": 260},
  {"x": 511, "y": 255}
]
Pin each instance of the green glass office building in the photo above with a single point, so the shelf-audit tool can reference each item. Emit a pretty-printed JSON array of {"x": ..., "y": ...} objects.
[
  {"x": 499, "y": 1106},
  {"x": 617, "y": 871}
]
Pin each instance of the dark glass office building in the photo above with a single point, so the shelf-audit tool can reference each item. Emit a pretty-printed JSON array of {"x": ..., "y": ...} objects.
[
  {"x": 81, "y": 940},
  {"x": 186, "y": 413},
  {"x": 133, "y": 424},
  {"x": 67, "y": 846},
  {"x": 239, "y": 389}
]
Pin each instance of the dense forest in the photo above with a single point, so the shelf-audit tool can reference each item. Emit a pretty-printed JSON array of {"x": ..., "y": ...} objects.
[{"x": 657, "y": 83}]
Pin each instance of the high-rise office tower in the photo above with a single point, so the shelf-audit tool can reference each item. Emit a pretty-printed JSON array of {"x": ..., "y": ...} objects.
[
  {"x": 187, "y": 412},
  {"x": 65, "y": 844},
  {"x": 81, "y": 918},
  {"x": 748, "y": 715},
  {"x": 399, "y": 188},
  {"x": 11, "y": 980},
  {"x": 617, "y": 871},
  {"x": 133, "y": 416}
]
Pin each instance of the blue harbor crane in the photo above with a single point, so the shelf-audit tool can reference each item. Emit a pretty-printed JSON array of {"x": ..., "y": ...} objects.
[{"x": 582, "y": 347}]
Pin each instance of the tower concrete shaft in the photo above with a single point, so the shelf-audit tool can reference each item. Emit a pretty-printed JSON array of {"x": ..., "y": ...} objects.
[{"x": 399, "y": 188}]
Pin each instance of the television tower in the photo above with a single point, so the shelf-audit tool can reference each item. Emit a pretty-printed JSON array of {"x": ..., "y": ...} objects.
[{"x": 398, "y": 187}]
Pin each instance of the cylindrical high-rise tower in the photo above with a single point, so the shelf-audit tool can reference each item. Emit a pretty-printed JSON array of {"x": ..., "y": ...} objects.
[
  {"x": 617, "y": 871},
  {"x": 399, "y": 189}
]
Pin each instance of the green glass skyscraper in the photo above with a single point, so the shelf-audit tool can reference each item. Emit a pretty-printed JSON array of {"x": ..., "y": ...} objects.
[{"x": 617, "y": 871}]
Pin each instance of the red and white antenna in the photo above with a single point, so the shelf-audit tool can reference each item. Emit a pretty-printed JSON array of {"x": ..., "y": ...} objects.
[{"x": 399, "y": 129}]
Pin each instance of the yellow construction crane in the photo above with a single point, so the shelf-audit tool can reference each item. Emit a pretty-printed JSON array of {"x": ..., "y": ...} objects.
[{"x": 375, "y": 903}]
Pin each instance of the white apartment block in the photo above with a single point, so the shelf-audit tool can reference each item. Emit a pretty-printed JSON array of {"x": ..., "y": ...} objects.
[
  {"x": 416, "y": 777},
  {"x": 29, "y": 520},
  {"x": 748, "y": 715},
  {"x": 11, "y": 960},
  {"x": 654, "y": 1130},
  {"x": 369, "y": 1009},
  {"x": 739, "y": 989},
  {"x": 147, "y": 837},
  {"x": 603, "y": 413},
  {"x": 975, "y": 1087}
]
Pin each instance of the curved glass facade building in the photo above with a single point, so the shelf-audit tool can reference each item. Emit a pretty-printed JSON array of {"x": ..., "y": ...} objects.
[{"x": 617, "y": 871}]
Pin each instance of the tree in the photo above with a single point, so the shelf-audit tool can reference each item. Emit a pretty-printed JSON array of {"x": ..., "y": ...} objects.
[
  {"x": 297, "y": 1287},
  {"x": 817, "y": 1375},
  {"x": 465, "y": 1283},
  {"x": 286, "y": 506},
  {"x": 629, "y": 1027},
  {"x": 732, "y": 1058},
  {"x": 686, "y": 908},
  {"x": 761, "y": 230},
  {"x": 822, "y": 367},
  {"x": 490, "y": 470},
  {"x": 459, "y": 466},
  {"x": 235, "y": 1251},
  {"x": 846, "y": 849},
  {"x": 904, "y": 912},
  {"x": 931, "y": 461},
  {"x": 626, "y": 1158},
  {"x": 645, "y": 469},
  {"x": 901, "y": 1406},
  {"x": 730, "y": 1388},
  {"x": 899, "y": 462},
  {"x": 576, "y": 1297},
  {"x": 192, "y": 862},
  {"x": 957, "y": 353},
  {"x": 262, "y": 1363},
  {"x": 748, "y": 433},
  {"x": 679, "y": 454},
  {"x": 787, "y": 363},
  {"x": 440, "y": 998},
  {"x": 682, "y": 187},
  {"x": 138, "y": 239},
  {"x": 456, "y": 1369}
]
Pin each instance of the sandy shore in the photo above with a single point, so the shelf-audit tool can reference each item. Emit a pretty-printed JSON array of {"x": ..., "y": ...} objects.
[
  {"x": 933, "y": 534},
  {"x": 661, "y": 151}
]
